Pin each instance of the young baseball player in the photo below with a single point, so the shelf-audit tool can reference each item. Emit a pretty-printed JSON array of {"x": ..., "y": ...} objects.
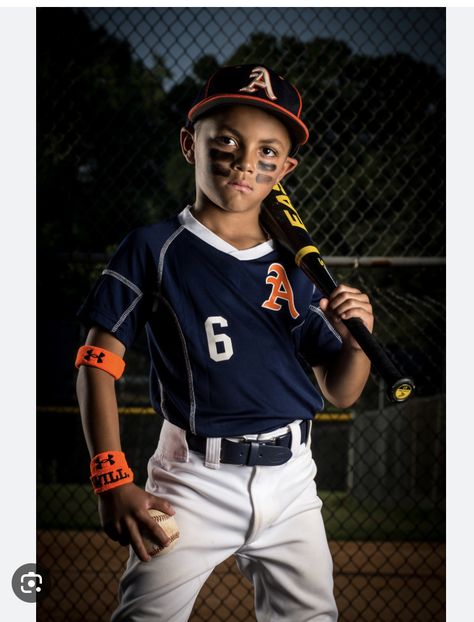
[{"x": 233, "y": 328}]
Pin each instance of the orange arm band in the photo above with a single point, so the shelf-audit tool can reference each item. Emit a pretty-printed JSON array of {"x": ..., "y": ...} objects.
[
  {"x": 103, "y": 359},
  {"x": 109, "y": 469}
]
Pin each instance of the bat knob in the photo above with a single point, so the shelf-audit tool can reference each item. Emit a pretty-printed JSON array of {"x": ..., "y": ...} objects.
[{"x": 401, "y": 390}]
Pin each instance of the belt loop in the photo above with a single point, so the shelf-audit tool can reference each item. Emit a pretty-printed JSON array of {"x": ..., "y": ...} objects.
[
  {"x": 309, "y": 435},
  {"x": 295, "y": 435},
  {"x": 213, "y": 453},
  {"x": 252, "y": 458}
]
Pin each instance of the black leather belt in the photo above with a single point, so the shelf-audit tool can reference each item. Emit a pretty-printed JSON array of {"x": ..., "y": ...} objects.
[{"x": 251, "y": 453}]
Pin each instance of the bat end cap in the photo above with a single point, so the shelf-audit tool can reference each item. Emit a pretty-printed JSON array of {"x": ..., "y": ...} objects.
[{"x": 401, "y": 390}]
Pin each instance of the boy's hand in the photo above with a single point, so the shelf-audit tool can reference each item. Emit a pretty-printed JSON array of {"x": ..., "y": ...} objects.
[
  {"x": 347, "y": 302},
  {"x": 123, "y": 514}
]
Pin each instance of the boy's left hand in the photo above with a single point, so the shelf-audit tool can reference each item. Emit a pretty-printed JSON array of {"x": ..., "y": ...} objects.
[{"x": 347, "y": 302}]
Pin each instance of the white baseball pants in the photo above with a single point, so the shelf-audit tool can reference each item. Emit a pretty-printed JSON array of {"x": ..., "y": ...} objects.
[{"x": 269, "y": 517}]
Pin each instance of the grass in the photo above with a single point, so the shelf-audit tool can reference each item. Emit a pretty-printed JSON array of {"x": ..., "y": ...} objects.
[{"x": 74, "y": 506}]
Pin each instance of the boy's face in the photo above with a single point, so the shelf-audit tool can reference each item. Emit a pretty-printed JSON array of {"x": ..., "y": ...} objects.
[{"x": 239, "y": 153}]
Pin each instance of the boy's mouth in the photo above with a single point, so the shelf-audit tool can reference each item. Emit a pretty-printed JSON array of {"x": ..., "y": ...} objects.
[{"x": 242, "y": 186}]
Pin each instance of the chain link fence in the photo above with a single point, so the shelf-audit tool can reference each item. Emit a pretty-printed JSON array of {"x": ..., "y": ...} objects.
[{"x": 114, "y": 86}]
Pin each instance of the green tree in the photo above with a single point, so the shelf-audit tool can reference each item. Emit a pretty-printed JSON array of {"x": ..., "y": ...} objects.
[{"x": 99, "y": 131}]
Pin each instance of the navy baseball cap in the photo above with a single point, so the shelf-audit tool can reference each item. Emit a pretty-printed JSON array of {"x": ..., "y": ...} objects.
[{"x": 254, "y": 85}]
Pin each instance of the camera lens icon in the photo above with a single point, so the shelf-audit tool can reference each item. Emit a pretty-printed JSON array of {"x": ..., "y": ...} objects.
[{"x": 29, "y": 582}]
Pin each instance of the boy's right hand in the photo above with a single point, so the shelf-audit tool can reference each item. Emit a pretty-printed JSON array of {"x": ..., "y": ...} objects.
[{"x": 123, "y": 515}]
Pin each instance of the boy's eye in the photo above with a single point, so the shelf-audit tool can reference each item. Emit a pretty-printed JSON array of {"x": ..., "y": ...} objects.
[
  {"x": 226, "y": 140},
  {"x": 269, "y": 152}
]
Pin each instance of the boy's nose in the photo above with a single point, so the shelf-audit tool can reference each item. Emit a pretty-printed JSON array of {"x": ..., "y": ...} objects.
[{"x": 244, "y": 162}]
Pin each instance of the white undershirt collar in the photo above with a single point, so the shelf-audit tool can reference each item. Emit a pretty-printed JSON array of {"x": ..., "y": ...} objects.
[{"x": 189, "y": 222}]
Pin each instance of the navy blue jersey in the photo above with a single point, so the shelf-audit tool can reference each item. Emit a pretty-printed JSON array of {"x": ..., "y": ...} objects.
[{"x": 231, "y": 332}]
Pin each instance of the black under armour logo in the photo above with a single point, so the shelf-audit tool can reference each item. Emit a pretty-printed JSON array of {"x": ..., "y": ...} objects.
[
  {"x": 91, "y": 355},
  {"x": 109, "y": 460}
]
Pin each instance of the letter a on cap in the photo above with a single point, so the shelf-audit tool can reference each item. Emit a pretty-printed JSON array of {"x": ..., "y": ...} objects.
[{"x": 260, "y": 80}]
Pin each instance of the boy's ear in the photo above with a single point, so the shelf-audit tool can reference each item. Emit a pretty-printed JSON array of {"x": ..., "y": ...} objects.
[
  {"x": 288, "y": 167},
  {"x": 186, "y": 139}
]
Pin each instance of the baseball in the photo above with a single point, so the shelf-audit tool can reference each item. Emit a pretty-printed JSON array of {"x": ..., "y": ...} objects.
[{"x": 169, "y": 525}]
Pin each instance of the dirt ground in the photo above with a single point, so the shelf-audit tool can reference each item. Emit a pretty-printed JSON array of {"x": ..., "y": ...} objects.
[{"x": 374, "y": 581}]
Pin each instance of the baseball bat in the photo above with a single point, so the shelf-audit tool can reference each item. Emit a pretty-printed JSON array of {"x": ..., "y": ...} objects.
[{"x": 281, "y": 220}]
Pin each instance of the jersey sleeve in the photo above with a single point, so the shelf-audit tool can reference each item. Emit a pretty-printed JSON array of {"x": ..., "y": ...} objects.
[
  {"x": 121, "y": 299},
  {"x": 316, "y": 339}
]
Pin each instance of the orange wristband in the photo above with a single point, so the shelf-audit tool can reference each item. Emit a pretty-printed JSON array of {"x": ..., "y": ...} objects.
[
  {"x": 109, "y": 469},
  {"x": 103, "y": 359}
]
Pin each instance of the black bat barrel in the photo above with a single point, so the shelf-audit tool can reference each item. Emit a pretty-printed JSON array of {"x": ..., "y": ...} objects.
[
  {"x": 398, "y": 388},
  {"x": 282, "y": 222}
]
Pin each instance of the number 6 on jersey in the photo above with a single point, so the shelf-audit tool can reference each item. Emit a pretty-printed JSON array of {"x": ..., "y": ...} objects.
[{"x": 225, "y": 351}]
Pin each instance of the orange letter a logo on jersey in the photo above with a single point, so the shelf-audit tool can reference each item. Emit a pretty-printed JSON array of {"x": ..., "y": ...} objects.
[{"x": 281, "y": 289}]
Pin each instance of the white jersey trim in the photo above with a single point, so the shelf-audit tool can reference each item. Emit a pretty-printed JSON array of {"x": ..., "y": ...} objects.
[
  {"x": 125, "y": 314},
  {"x": 189, "y": 222},
  {"x": 328, "y": 323},
  {"x": 164, "y": 250},
  {"x": 132, "y": 305},
  {"x": 192, "y": 397},
  {"x": 123, "y": 279}
]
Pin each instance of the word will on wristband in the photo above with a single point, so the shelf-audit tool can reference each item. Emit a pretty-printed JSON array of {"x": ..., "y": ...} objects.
[{"x": 109, "y": 470}]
